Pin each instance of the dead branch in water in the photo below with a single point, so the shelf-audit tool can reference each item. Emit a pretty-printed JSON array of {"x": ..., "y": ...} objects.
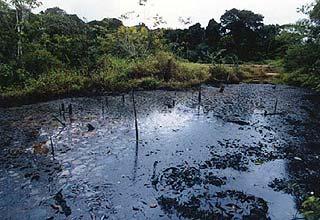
[{"x": 56, "y": 118}]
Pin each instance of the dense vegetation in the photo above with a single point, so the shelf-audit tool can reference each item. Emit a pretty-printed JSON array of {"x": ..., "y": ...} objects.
[
  {"x": 53, "y": 53},
  {"x": 302, "y": 59}
]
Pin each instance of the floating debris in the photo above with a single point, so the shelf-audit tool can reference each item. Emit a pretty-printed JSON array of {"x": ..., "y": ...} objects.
[
  {"x": 90, "y": 127},
  {"x": 61, "y": 204},
  {"x": 153, "y": 205},
  {"x": 41, "y": 148}
]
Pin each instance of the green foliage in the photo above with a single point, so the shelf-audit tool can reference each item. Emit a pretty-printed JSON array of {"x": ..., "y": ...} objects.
[
  {"x": 299, "y": 78},
  {"x": 243, "y": 29},
  {"x": 165, "y": 67},
  {"x": 6, "y": 75},
  {"x": 57, "y": 82},
  {"x": 73, "y": 51},
  {"x": 132, "y": 42},
  {"x": 40, "y": 61},
  {"x": 162, "y": 65},
  {"x": 223, "y": 74},
  {"x": 315, "y": 13},
  {"x": 10, "y": 75},
  {"x": 213, "y": 34},
  {"x": 111, "y": 74},
  {"x": 191, "y": 72},
  {"x": 56, "y": 21},
  {"x": 8, "y": 35},
  {"x": 311, "y": 208},
  {"x": 149, "y": 83},
  {"x": 276, "y": 64},
  {"x": 240, "y": 32},
  {"x": 62, "y": 54},
  {"x": 304, "y": 57}
]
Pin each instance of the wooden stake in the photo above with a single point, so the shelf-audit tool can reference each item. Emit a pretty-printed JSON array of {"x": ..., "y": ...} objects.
[
  {"x": 276, "y": 104},
  {"x": 221, "y": 88},
  {"x": 63, "y": 109},
  {"x": 70, "y": 109},
  {"x": 135, "y": 162},
  {"x": 135, "y": 117},
  {"x": 102, "y": 106},
  {"x": 52, "y": 147},
  {"x": 60, "y": 111},
  {"x": 107, "y": 101},
  {"x": 199, "y": 96}
]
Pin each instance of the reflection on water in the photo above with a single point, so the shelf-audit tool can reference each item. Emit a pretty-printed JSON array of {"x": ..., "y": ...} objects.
[
  {"x": 220, "y": 158},
  {"x": 166, "y": 121}
]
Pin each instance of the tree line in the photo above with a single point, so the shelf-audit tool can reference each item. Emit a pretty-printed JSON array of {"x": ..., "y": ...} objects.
[{"x": 33, "y": 44}]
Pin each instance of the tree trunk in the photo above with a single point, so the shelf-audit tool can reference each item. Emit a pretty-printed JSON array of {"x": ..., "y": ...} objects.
[{"x": 19, "y": 20}]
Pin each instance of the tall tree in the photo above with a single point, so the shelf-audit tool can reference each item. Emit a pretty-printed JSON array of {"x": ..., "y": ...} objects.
[
  {"x": 8, "y": 36},
  {"x": 21, "y": 7},
  {"x": 213, "y": 34},
  {"x": 195, "y": 35},
  {"x": 242, "y": 28}
]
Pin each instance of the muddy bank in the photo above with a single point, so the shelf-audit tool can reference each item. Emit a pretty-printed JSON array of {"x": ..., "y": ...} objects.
[{"x": 251, "y": 152}]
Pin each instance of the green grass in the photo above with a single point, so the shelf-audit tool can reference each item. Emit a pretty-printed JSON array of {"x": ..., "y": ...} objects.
[{"x": 311, "y": 208}]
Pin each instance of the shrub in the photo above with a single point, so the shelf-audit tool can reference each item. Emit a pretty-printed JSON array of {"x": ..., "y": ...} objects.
[
  {"x": 11, "y": 76},
  {"x": 111, "y": 73},
  {"x": 6, "y": 75},
  {"x": 299, "y": 78},
  {"x": 143, "y": 68},
  {"x": 166, "y": 65},
  {"x": 303, "y": 57},
  {"x": 227, "y": 74},
  {"x": 40, "y": 61},
  {"x": 162, "y": 65},
  {"x": 219, "y": 73},
  {"x": 58, "y": 82},
  {"x": 112, "y": 64},
  {"x": 110, "y": 81},
  {"x": 191, "y": 72},
  {"x": 149, "y": 83}
]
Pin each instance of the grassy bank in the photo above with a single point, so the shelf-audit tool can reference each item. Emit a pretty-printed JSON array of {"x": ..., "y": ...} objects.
[
  {"x": 300, "y": 79},
  {"x": 114, "y": 75}
]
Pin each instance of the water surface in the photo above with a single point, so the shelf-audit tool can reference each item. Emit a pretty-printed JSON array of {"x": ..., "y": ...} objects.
[{"x": 251, "y": 152}]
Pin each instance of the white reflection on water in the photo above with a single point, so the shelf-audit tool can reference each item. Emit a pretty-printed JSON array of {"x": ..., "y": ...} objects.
[{"x": 167, "y": 121}]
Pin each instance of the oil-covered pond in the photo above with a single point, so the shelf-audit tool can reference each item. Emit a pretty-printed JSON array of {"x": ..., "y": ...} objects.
[{"x": 251, "y": 152}]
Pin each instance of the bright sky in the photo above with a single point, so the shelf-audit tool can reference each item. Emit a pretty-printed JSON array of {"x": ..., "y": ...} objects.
[{"x": 274, "y": 11}]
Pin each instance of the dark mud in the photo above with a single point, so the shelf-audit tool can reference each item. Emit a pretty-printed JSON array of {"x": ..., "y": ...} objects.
[{"x": 251, "y": 152}]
